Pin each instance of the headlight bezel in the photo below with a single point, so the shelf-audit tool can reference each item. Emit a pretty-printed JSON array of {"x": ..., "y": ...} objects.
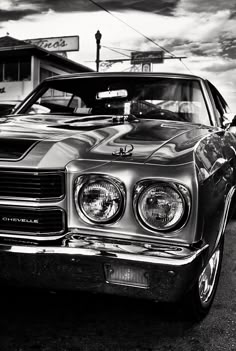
[
  {"x": 84, "y": 180},
  {"x": 143, "y": 185}
]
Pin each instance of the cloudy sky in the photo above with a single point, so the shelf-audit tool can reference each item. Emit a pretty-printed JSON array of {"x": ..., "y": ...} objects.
[{"x": 202, "y": 30}]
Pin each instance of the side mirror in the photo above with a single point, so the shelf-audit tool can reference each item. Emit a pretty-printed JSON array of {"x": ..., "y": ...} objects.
[
  {"x": 229, "y": 120},
  {"x": 219, "y": 163},
  {"x": 233, "y": 122},
  {"x": 12, "y": 111}
]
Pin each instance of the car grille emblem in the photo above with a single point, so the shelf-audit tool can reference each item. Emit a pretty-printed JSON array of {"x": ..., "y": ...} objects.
[{"x": 19, "y": 220}]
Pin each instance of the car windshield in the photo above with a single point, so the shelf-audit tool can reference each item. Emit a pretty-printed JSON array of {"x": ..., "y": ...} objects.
[{"x": 144, "y": 97}]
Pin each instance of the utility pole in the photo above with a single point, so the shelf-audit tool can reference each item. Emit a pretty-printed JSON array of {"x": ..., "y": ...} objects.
[{"x": 98, "y": 37}]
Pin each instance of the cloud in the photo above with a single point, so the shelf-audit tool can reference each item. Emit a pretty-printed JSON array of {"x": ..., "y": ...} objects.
[
  {"x": 195, "y": 48},
  {"x": 162, "y": 7},
  {"x": 225, "y": 81},
  {"x": 229, "y": 47},
  {"x": 15, "y": 15},
  {"x": 204, "y": 31},
  {"x": 17, "y": 9},
  {"x": 209, "y": 6},
  {"x": 223, "y": 66},
  {"x": 195, "y": 34},
  {"x": 192, "y": 35}
]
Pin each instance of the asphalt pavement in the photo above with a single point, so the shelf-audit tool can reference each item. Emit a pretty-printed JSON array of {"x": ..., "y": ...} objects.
[{"x": 43, "y": 321}]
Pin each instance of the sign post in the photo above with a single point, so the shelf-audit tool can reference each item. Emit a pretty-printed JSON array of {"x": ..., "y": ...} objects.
[{"x": 98, "y": 37}]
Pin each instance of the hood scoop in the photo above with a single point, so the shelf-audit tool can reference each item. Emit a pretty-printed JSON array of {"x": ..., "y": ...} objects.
[{"x": 15, "y": 149}]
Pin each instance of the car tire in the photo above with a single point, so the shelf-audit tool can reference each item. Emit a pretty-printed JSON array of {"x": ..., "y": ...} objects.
[{"x": 201, "y": 296}]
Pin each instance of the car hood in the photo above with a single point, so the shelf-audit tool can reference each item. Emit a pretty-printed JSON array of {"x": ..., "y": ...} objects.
[{"x": 39, "y": 141}]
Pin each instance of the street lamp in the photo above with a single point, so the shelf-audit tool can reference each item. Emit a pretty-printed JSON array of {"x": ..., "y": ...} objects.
[{"x": 98, "y": 36}]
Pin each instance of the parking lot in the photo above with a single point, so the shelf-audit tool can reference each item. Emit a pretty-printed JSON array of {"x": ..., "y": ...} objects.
[{"x": 73, "y": 322}]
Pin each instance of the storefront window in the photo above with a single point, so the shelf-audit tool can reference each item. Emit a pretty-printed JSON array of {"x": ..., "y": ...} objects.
[
  {"x": 1, "y": 72},
  {"x": 45, "y": 73},
  {"x": 15, "y": 70},
  {"x": 11, "y": 71},
  {"x": 25, "y": 70}
]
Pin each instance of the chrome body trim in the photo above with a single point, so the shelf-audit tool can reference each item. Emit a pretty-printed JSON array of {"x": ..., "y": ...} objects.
[
  {"x": 170, "y": 255},
  {"x": 223, "y": 223},
  {"x": 207, "y": 279}
]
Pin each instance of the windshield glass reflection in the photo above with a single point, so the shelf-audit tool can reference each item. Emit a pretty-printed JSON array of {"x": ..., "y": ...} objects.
[{"x": 143, "y": 97}]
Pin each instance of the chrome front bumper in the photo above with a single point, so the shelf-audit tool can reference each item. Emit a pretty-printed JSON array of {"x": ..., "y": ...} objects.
[{"x": 79, "y": 264}]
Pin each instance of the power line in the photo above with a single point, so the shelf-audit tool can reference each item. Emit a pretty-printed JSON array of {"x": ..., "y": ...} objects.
[
  {"x": 137, "y": 31},
  {"x": 127, "y": 68},
  {"x": 143, "y": 35},
  {"x": 120, "y": 49},
  {"x": 121, "y": 53},
  {"x": 114, "y": 50},
  {"x": 185, "y": 66}
]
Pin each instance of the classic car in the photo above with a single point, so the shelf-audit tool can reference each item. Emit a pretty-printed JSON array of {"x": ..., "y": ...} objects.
[{"x": 123, "y": 184}]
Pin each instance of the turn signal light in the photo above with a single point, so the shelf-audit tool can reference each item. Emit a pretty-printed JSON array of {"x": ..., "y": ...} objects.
[{"x": 126, "y": 275}]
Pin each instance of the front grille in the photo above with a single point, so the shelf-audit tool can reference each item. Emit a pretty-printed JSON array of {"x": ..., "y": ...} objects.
[
  {"x": 32, "y": 221},
  {"x": 31, "y": 184}
]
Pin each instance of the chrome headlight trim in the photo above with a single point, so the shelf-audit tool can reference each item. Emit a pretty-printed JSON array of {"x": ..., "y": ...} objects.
[
  {"x": 142, "y": 186},
  {"x": 87, "y": 179}
]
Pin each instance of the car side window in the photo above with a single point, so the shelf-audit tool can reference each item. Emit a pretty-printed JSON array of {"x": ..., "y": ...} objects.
[
  {"x": 220, "y": 103},
  {"x": 55, "y": 101}
]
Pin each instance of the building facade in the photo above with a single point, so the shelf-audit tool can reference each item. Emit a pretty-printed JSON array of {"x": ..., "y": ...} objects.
[{"x": 23, "y": 66}]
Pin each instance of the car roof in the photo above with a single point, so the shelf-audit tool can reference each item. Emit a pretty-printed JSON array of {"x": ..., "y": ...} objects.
[{"x": 123, "y": 74}]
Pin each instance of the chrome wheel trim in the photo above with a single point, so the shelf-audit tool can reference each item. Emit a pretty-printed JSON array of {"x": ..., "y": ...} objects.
[{"x": 207, "y": 279}]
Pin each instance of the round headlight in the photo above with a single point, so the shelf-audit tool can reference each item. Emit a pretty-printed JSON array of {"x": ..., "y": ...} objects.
[
  {"x": 100, "y": 200},
  {"x": 161, "y": 206}
]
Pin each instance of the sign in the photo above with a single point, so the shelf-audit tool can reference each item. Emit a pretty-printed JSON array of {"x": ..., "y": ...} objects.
[
  {"x": 59, "y": 44},
  {"x": 147, "y": 57},
  {"x": 146, "y": 67}
]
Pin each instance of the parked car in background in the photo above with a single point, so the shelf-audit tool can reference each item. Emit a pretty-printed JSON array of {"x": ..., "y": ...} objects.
[
  {"x": 122, "y": 184},
  {"x": 6, "y": 107}
]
